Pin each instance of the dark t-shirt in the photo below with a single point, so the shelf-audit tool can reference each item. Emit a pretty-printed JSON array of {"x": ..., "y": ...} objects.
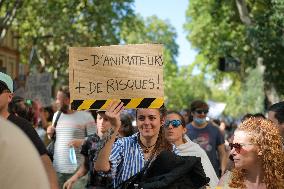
[
  {"x": 209, "y": 138},
  {"x": 90, "y": 151},
  {"x": 28, "y": 129}
]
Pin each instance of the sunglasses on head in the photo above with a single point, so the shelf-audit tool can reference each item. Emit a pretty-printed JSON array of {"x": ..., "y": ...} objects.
[
  {"x": 201, "y": 111},
  {"x": 175, "y": 123},
  {"x": 237, "y": 146}
]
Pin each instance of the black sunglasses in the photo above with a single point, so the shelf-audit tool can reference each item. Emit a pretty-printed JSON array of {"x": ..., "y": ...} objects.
[
  {"x": 175, "y": 123},
  {"x": 201, "y": 111}
]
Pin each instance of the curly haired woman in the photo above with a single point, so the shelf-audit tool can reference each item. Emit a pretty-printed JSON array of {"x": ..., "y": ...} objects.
[{"x": 258, "y": 157}]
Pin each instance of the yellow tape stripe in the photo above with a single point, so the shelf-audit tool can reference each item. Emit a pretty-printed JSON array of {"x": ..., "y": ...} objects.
[
  {"x": 134, "y": 103},
  {"x": 157, "y": 103},
  {"x": 128, "y": 103},
  {"x": 86, "y": 104}
]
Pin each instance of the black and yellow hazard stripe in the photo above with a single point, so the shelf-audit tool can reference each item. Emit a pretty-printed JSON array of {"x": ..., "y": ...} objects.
[{"x": 128, "y": 103}]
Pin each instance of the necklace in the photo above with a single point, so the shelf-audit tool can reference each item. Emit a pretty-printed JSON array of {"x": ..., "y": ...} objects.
[{"x": 146, "y": 149}]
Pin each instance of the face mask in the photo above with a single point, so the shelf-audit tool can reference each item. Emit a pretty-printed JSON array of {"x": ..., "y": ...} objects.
[
  {"x": 72, "y": 156},
  {"x": 199, "y": 121}
]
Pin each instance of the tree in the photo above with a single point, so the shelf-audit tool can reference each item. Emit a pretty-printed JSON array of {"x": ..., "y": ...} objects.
[
  {"x": 154, "y": 30},
  {"x": 8, "y": 10},
  {"x": 70, "y": 23},
  {"x": 247, "y": 30}
]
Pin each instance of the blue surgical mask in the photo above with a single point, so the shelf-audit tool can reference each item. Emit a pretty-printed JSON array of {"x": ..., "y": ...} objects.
[
  {"x": 72, "y": 156},
  {"x": 199, "y": 121}
]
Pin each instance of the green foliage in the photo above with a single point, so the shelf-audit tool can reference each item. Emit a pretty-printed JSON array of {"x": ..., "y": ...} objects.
[
  {"x": 216, "y": 30},
  {"x": 8, "y": 10},
  {"x": 154, "y": 30},
  {"x": 247, "y": 97},
  {"x": 185, "y": 88},
  {"x": 71, "y": 23}
]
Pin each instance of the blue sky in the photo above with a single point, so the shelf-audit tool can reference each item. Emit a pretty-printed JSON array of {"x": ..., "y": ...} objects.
[{"x": 173, "y": 11}]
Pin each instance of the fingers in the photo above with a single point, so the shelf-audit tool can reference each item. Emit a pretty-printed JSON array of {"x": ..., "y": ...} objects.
[
  {"x": 71, "y": 143},
  {"x": 68, "y": 185},
  {"x": 115, "y": 106}
]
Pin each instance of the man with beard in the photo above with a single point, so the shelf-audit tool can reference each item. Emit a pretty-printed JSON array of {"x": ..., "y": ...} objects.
[
  {"x": 71, "y": 129},
  {"x": 6, "y": 94}
]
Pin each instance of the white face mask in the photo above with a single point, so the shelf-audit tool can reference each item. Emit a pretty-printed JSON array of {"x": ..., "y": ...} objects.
[{"x": 72, "y": 156}]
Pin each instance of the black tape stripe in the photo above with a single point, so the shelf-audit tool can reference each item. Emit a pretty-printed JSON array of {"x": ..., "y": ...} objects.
[
  {"x": 98, "y": 104},
  {"x": 146, "y": 102},
  {"x": 76, "y": 103},
  {"x": 125, "y": 101}
]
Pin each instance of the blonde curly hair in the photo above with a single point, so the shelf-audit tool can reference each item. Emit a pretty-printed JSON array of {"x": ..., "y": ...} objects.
[{"x": 266, "y": 136}]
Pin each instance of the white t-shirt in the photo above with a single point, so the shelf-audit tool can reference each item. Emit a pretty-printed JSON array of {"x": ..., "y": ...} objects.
[
  {"x": 77, "y": 125},
  {"x": 192, "y": 149}
]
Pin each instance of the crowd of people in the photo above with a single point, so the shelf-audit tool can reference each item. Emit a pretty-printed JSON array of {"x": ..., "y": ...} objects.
[{"x": 148, "y": 148}]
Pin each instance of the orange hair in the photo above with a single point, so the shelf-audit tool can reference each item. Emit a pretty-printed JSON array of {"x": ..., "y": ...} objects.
[{"x": 266, "y": 136}]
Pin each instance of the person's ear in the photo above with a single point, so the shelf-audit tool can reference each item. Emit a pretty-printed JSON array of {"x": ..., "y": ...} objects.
[
  {"x": 184, "y": 130},
  {"x": 10, "y": 96},
  {"x": 259, "y": 153}
]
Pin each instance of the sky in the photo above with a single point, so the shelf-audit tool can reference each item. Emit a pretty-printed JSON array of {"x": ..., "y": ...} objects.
[{"x": 174, "y": 11}]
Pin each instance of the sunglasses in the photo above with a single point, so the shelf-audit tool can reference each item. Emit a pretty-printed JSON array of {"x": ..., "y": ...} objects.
[
  {"x": 175, "y": 123},
  {"x": 237, "y": 146},
  {"x": 201, "y": 111}
]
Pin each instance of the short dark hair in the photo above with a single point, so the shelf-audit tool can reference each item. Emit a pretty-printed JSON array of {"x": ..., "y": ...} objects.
[
  {"x": 198, "y": 104},
  {"x": 278, "y": 108},
  {"x": 126, "y": 124},
  {"x": 65, "y": 91}
]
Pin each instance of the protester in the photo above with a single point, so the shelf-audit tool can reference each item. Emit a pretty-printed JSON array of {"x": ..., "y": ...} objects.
[
  {"x": 258, "y": 157},
  {"x": 70, "y": 125},
  {"x": 175, "y": 131},
  {"x": 20, "y": 108},
  {"x": 89, "y": 151},
  {"x": 20, "y": 165},
  {"x": 126, "y": 128},
  {"x": 129, "y": 155},
  {"x": 186, "y": 115},
  {"x": 207, "y": 136},
  {"x": 276, "y": 114},
  {"x": 256, "y": 115},
  {"x": 6, "y": 94}
]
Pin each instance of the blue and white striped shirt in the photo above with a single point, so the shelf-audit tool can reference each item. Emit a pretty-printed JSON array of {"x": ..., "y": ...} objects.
[{"x": 126, "y": 159}]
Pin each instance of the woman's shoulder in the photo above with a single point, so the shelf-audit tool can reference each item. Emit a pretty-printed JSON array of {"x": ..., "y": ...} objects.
[{"x": 130, "y": 140}]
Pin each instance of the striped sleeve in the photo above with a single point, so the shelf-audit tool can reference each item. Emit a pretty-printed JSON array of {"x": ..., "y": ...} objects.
[{"x": 116, "y": 156}]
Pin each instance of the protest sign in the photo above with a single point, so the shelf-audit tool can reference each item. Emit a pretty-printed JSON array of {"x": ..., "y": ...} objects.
[
  {"x": 131, "y": 73},
  {"x": 38, "y": 87}
]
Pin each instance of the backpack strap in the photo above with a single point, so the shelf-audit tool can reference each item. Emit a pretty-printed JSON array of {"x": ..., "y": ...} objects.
[{"x": 55, "y": 123}]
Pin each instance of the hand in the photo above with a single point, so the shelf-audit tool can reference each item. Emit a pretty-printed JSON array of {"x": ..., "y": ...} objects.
[
  {"x": 113, "y": 113},
  {"x": 76, "y": 143},
  {"x": 69, "y": 183},
  {"x": 50, "y": 131}
]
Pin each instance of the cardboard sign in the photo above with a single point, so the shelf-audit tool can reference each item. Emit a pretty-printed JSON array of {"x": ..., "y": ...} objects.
[
  {"x": 132, "y": 73},
  {"x": 38, "y": 87}
]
